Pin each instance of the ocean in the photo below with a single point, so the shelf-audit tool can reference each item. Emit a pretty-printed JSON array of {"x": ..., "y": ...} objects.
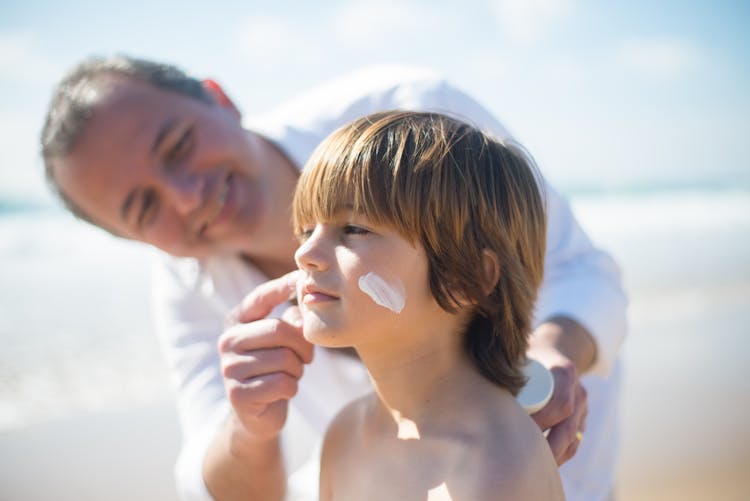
[{"x": 75, "y": 321}]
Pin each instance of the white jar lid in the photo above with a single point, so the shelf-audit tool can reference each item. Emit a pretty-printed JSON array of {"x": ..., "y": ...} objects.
[{"x": 538, "y": 388}]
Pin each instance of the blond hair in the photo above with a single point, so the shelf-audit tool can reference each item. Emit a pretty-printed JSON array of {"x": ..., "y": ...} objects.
[{"x": 458, "y": 192}]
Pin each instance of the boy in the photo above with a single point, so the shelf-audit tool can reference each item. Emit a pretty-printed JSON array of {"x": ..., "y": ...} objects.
[{"x": 423, "y": 248}]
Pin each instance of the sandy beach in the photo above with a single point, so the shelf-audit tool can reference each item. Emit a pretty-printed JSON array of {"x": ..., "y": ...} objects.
[
  {"x": 113, "y": 455},
  {"x": 680, "y": 441}
]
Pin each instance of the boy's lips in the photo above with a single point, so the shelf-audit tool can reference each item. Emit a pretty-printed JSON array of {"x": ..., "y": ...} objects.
[{"x": 312, "y": 293}]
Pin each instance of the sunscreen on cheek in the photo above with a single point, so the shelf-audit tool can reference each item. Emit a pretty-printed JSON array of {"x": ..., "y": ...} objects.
[{"x": 387, "y": 295}]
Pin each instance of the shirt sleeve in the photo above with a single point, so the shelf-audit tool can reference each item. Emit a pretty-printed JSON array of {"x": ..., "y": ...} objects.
[
  {"x": 188, "y": 327},
  {"x": 581, "y": 281}
]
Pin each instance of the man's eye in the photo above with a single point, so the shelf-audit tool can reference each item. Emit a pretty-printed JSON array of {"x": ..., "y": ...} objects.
[
  {"x": 149, "y": 206},
  {"x": 182, "y": 147}
]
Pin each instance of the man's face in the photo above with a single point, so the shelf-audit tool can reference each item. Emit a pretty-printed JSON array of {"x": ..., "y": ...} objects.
[{"x": 169, "y": 170}]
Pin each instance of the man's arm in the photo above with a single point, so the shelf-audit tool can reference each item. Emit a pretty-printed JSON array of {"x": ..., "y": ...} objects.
[
  {"x": 565, "y": 337},
  {"x": 215, "y": 454},
  {"x": 582, "y": 285},
  {"x": 262, "y": 360},
  {"x": 237, "y": 467},
  {"x": 583, "y": 306}
]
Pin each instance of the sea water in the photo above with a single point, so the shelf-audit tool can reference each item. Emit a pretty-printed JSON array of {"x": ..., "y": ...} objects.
[{"x": 75, "y": 320}]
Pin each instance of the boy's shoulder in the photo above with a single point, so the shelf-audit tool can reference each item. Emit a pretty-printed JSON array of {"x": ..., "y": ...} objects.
[
  {"x": 340, "y": 444},
  {"x": 345, "y": 426},
  {"x": 516, "y": 460},
  {"x": 485, "y": 454},
  {"x": 350, "y": 418}
]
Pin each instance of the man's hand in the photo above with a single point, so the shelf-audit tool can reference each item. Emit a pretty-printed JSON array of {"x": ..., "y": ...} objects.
[
  {"x": 565, "y": 414},
  {"x": 567, "y": 350},
  {"x": 262, "y": 359}
]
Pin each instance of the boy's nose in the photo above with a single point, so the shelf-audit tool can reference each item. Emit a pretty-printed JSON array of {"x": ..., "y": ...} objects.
[{"x": 311, "y": 254}]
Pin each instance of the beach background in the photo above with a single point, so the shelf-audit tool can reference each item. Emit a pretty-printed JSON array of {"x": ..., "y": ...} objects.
[{"x": 639, "y": 113}]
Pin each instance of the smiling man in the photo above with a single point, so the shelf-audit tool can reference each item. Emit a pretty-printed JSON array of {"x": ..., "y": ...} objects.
[
  {"x": 151, "y": 154},
  {"x": 176, "y": 172}
]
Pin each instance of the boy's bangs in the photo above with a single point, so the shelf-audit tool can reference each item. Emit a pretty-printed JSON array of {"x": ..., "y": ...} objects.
[
  {"x": 321, "y": 194},
  {"x": 341, "y": 177}
]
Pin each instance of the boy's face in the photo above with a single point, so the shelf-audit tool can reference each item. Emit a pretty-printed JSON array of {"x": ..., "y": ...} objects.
[
  {"x": 362, "y": 284},
  {"x": 169, "y": 170}
]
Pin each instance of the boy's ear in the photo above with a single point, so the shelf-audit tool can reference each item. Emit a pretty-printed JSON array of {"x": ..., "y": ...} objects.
[
  {"x": 490, "y": 277},
  {"x": 491, "y": 268},
  {"x": 221, "y": 98}
]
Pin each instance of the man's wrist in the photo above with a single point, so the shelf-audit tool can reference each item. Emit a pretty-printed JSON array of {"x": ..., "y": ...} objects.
[
  {"x": 567, "y": 337},
  {"x": 240, "y": 466},
  {"x": 241, "y": 444}
]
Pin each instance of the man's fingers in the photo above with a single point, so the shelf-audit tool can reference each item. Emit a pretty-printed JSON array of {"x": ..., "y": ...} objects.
[
  {"x": 560, "y": 437},
  {"x": 563, "y": 402},
  {"x": 569, "y": 452},
  {"x": 265, "y": 334},
  {"x": 261, "y": 390},
  {"x": 565, "y": 437},
  {"x": 262, "y": 362},
  {"x": 264, "y": 298}
]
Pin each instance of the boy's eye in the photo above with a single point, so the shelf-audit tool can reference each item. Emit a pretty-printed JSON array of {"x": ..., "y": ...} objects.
[
  {"x": 304, "y": 234},
  {"x": 351, "y": 229}
]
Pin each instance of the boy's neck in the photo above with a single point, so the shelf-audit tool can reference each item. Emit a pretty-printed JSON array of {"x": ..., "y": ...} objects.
[{"x": 420, "y": 386}]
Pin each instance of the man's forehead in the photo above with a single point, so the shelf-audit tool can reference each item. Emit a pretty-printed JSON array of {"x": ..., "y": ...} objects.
[
  {"x": 132, "y": 100},
  {"x": 111, "y": 88},
  {"x": 125, "y": 117}
]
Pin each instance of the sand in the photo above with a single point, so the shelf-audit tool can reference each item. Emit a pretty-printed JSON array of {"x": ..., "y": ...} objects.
[
  {"x": 124, "y": 455},
  {"x": 683, "y": 433}
]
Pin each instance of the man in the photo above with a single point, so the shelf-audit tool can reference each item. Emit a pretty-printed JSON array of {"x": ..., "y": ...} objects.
[{"x": 149, "y": 154}]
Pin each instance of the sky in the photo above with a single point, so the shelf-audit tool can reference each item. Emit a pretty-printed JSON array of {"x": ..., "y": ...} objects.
[{"x": 606, "y": 95}]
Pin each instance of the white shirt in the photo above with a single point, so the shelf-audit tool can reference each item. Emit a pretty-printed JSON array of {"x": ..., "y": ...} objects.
[{"x": 192, "y": 297}]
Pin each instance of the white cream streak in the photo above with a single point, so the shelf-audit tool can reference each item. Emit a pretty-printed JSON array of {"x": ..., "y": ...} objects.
[{"x": 383, "y": 293}]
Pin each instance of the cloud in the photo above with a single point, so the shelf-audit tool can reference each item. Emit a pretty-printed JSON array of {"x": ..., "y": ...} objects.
[
  {"x": 362, "y": 28},
  {"x": 272, "y": 40},
  {"x": 372, "y": 23},
  {"x": 658, "y": 58},
  {"x": 528, "y": 20},
  {"x": 22, "y": 60}
]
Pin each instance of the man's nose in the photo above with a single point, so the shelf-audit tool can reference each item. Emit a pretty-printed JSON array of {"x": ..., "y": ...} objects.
[
  {"x": 312, "y": 254},
  {"x": 185, "y": 191}
]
